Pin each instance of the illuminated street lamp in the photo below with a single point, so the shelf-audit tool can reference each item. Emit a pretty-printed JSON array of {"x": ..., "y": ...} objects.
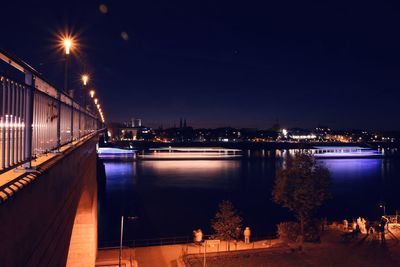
[
  {"x": 85, "y": 79},
  {"x": 383, "y": 206},
  {"x": 96, "y": 100},
  {"x": 91, "y": 93},
  {"x": 68, "y": 44}
]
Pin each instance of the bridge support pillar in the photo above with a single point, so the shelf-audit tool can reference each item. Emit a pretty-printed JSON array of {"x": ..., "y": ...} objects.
[{"x": 83, "y": 245}]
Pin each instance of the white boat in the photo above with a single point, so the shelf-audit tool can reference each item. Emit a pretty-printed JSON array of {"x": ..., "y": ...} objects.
[
  {"x": 113, "y": 152},
  {"x": 344, "y": 152},
  {"x": 191, "y": 153}
]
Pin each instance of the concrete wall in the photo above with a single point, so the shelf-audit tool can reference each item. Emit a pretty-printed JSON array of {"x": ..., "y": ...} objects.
[{"x": 37, "y": 222}]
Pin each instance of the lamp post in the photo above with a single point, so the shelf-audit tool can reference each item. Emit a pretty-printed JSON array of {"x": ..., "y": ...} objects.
[
  {"x": 85, "y": 79},
  {"x": 122, "y": 236},
  {"x": 67, "y": 42},
  {"x": 383, "y": 206}
]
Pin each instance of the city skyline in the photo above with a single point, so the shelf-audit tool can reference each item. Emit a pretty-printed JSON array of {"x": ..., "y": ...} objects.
[{"x": 223, "y": 64}]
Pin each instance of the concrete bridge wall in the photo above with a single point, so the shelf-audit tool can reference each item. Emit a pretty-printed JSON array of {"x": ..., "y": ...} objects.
[{"x": 37, "y": 222}]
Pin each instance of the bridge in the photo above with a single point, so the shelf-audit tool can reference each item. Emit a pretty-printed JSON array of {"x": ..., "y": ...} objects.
[{"x": 48, "y": 189}]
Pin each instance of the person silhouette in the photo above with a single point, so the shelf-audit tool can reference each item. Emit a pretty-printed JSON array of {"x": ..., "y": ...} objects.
[
  {"x": 247, "y": 234},
  {"x": 382, "y": 226}
]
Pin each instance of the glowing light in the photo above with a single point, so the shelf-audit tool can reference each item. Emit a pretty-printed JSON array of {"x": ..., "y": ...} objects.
[
  {"x": 67, "y": 45},
  {"x": 125, "y": 36},
  {"x": 91, "y": 93},
  {"x": 284, "y": 132},
  {"x": 85, "y": 79},
  {"x": 96, "y": 100},
  {"x": 103, "y": 8},
  {"x": 309, "y": 136},
  {"x": 98, "y": 105}
]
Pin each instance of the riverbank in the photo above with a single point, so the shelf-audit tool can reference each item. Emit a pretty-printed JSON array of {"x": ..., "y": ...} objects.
[
  {"x": 332, "y": 251},
  {"x": 173, "y": 255}
]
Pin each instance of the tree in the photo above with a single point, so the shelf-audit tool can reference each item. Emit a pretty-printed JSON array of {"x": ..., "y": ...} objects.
[
  {"x": 226, "y": 221},
  {"x": 301, "y": 185}
]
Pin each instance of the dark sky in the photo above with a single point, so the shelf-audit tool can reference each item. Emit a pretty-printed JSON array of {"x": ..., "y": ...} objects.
[{"x": 223, "y": 63}]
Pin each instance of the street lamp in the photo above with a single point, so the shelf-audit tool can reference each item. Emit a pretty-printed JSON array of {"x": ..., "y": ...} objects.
[
  {"x": 96, "y": 100},
  {"x": 91, "y": 93},
  {"x": 122, "y": 235},
  {"x": 68, "y": 45},
  {"x": 85, "y": 79},
  {"x": 383, "y": 206}
]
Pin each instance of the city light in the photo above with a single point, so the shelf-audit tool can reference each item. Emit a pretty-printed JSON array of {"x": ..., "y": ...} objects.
[
  {"x": 91, "y": 93},
  {"x": 96, "y": 100}
]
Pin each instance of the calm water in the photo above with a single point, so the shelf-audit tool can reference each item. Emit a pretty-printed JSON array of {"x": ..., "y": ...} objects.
[{"x": 171, "y": 198}]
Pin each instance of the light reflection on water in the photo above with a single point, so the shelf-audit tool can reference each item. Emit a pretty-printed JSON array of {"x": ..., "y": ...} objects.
[
  {"x": 191, "y": 173},
  {"x": 160, "y": 192},
  {"x": 353, "y": 168}
]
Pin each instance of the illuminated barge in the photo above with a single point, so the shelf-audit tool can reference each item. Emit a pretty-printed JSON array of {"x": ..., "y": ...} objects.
[
  {"x": 345, "y": 152},
  {"x": 173, "y": 153},
  {"x": 114, "y": 153}
]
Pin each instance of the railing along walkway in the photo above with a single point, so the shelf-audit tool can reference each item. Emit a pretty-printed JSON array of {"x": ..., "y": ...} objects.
[
  {"x": 176, "y": 240},
  {"x": 13, "y": 180},
  {"x": 36, "y": 118}
]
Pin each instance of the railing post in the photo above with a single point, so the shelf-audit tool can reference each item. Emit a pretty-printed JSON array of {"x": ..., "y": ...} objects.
[
  {"x": 3, "y": 129},
  {"x": 72, "y": 119},
  {"x": 79, "y": 122},
  {"x": 29, "y": 101},
  {"x": 58, "y": 121}
]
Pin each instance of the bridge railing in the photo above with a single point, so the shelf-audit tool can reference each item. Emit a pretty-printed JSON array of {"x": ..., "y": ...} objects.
[{"x": 36, "y": 118}]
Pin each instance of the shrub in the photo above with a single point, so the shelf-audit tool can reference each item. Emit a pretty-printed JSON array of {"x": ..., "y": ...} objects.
[{"x": 289, "y": 231}]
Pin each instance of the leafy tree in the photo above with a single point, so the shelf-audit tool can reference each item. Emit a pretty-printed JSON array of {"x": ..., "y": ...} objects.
[
  {"x": 226, "y": 221},
  {"x": 301, "y": 185}
]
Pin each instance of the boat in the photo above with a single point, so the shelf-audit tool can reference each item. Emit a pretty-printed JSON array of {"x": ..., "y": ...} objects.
[
  {"x": 345, "y": 152},
  {"x": 190, "y": 153},
  {"x": 115, "y": 153}
]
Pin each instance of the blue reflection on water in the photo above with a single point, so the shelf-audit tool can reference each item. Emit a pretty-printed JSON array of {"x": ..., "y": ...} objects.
[
  {"x": 352, "y": 168},
  {"x": 119, "y": 173}
]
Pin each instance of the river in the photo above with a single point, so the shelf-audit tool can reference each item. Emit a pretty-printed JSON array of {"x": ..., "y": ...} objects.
[{"x": 174, "y": 197}]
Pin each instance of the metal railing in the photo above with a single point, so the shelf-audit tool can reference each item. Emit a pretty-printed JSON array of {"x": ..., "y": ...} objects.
[
  {"x": 36, "y": 118},
  {"x": 175, "y": 240}
]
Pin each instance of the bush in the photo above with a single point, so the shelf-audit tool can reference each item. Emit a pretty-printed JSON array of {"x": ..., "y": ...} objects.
[
  {"x": 289, "y": 231},
  {"x": 312, "y": 231}
]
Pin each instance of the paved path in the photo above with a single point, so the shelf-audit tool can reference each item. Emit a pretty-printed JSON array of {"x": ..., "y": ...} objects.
[{"x": 168, "y": 255}]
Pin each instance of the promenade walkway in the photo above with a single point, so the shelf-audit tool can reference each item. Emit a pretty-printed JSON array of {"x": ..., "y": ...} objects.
[{"x": 168, "y": 255}]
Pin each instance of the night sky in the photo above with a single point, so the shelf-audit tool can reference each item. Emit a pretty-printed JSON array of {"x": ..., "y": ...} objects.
[{"x": 220, "y": 62}]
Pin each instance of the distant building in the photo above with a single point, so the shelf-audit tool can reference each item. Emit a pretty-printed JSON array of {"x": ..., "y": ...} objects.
[{"x": 136, "y": 122}]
